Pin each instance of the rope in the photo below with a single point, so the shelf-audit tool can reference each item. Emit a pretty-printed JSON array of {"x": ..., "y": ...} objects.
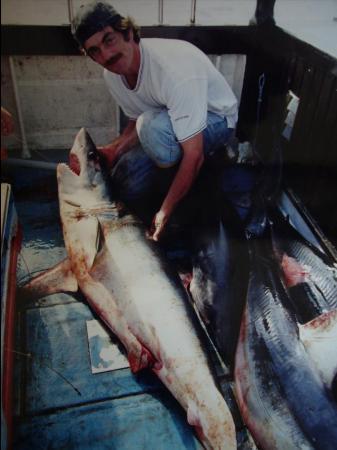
[{"x": 261, "y": 83}]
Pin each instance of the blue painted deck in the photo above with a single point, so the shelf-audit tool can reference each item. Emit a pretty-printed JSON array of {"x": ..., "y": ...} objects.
[{"x": 59, "y": 403}]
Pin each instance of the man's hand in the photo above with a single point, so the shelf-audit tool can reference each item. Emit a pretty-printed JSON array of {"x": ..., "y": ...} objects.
[
  {"x": 158, "y": 225},
  {"x": 110, "y": 153}
]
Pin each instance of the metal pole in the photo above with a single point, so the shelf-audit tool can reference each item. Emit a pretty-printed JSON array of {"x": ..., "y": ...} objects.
[
  {"x": 71, "y": 14},
  {"x": 264, "y": 13},
  {"x": 161, "y": 12},
  {"x": 193, "y": 11},
  {"x": 218, "y": 62},
  {"x": 16, "y": 162},
  {"x": 25, "y": 151}
]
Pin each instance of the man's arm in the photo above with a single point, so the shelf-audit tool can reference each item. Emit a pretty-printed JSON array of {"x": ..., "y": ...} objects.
[
  {"x": 122, "y": 144},
  {"x": 192, "y": 160}
]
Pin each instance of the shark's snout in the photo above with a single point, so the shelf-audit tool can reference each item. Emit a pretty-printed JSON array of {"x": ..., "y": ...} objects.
[
  {"x": 82, "y": 138},
  {"x": 83, "y": 152}
]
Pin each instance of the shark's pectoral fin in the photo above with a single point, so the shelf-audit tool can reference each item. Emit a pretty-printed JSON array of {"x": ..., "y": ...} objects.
[
  {"x": 59, "y": 278},
  {"x": 103, "y": 302}
]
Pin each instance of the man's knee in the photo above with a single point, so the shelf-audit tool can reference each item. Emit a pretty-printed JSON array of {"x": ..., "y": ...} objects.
[
  {"x": 145, "y": 126},
  {"x": 157, "y": 138}
]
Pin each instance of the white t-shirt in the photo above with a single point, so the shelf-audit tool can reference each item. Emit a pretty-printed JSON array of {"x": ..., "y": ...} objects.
[{"x": 178, "y": 76}]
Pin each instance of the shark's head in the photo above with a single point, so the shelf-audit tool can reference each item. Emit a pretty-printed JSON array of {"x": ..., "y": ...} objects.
[
  {"x": 84, "y": 159},
  {"x": 82, "y": 183}
]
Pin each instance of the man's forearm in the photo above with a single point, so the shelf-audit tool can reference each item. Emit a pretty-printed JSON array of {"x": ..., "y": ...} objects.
[
  {"x": 182, "y": 183},
  {"x": 128, "y": 138},
  {"x": 193, "y": 158}
]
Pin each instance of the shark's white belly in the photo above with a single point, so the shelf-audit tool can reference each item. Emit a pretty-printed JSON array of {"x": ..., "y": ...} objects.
[
  {"x": 155, "y": 308},
  {"x": 153, "y": 305}
]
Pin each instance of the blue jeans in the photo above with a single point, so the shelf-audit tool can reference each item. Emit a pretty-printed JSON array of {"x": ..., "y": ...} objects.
[
  {"x": 158, "y": 140},
  {"x": 140, "y": 172}
]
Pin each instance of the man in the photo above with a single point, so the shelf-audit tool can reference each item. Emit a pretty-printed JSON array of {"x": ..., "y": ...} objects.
[{"x": 180, "y": 108}]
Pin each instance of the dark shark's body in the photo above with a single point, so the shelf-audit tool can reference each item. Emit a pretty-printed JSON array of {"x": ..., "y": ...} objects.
[{"x": 281, "y": 394}]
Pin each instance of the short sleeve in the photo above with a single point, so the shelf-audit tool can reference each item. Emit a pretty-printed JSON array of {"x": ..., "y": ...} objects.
[
  {"x": 131, "y": 115},
  {"x": 187, "y": 108}
]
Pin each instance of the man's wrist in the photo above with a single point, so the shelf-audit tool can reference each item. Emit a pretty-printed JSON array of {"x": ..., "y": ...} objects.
[
  {"x": 122, "y": 147},
  {"x": 166, "y": 210}
]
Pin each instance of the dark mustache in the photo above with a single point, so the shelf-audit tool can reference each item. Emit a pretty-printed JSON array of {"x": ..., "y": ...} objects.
[{"x": 113, "y": 59}]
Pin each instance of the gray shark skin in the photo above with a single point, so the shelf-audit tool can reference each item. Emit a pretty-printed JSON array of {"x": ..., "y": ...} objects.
[
  {"x": 310, "y": 275},
  {"x": 281, "y": 394},
  {"x": 219, "y": 282},
  {"x": 129, "y": 285}
]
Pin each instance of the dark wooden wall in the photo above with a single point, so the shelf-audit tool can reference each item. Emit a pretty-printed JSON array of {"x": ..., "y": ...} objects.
[
  {"x": 310, "y": 158},
  {"x": 312, "y": 151}
]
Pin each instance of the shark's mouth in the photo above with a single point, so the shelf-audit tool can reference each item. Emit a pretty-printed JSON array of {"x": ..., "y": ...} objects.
[{"x": 74, "y": 164}]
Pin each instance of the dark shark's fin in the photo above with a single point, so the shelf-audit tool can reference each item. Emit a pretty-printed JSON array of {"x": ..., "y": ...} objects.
[{"x": 59, "y": 278}]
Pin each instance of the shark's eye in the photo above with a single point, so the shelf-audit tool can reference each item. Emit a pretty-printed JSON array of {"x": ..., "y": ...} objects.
[{"x": 91, "y": 156}]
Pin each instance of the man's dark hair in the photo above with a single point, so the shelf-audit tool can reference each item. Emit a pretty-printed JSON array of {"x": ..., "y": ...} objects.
[{"x": 96, "y": 16}]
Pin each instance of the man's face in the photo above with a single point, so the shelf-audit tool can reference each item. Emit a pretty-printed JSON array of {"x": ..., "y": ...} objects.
[{"x": 109, "y": 49}]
